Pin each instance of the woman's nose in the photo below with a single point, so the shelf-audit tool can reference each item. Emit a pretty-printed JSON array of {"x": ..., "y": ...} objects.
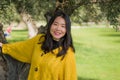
[{"x": 58, "y": 27}]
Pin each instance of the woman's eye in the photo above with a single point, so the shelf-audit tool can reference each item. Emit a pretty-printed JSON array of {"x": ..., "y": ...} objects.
[
  {"x": 55, "y": 24},
  {"x": 63, "y": 26}
]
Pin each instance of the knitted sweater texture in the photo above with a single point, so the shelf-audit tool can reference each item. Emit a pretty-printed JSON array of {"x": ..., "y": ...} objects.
[{"x": 43, "y": 66}]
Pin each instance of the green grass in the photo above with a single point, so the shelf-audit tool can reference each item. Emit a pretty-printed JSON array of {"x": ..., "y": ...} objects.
[
  {"x": 97, "y": 52},
  {"x": 18, "y": 35}
]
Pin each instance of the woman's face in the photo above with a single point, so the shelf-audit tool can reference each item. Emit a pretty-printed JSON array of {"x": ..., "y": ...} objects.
[{"x": 58, "y": 28}]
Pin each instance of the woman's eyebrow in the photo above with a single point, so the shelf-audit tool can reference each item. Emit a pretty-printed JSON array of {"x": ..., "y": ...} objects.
[{"x": 58, "y": 22}]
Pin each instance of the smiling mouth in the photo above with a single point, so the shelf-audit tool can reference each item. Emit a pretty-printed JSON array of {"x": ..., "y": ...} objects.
[{"x": 57, "y": 33}]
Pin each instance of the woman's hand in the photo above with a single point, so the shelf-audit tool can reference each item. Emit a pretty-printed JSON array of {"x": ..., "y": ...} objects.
[{"x": 0, "y": 44}]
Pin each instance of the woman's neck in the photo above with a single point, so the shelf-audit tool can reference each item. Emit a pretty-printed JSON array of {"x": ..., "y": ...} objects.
[{"x": 56, "y": 39}]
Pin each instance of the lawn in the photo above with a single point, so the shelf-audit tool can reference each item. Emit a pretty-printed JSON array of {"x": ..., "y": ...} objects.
[{"x": 97, "y": 52}]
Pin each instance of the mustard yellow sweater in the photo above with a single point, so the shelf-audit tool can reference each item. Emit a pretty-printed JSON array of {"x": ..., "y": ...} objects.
[{"x": 46, "y": 67}]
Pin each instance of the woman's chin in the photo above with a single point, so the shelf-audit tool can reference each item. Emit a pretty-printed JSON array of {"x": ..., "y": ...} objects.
[{"x": 56, "y": 38}]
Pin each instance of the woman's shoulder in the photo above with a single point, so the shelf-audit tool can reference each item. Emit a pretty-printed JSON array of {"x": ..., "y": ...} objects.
[
  {"x": 40, "y": 37},
  {"x": 37, "y": 38},
  {"x": 70, "y": 52},
  {"x": 70, "y": 49}
]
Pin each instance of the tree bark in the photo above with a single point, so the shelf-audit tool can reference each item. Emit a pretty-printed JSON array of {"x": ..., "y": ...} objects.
[
  {"x": 32, "y": 29},
  {"x": 3, "y": 65},
  {"x": 11, "y": 69}
]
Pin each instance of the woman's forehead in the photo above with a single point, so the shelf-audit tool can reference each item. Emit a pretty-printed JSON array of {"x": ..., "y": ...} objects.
[{"x": 60, "y": 20}]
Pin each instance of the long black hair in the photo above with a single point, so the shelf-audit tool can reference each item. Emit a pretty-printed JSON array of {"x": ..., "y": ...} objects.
[{"x": 65, "y": 42}]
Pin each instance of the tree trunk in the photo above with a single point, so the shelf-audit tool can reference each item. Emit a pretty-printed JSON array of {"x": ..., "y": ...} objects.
[
  {"x": 32, "y": 29},
  {"x": 3, "y": 65},
  {"x": 11, "y": 69},
  {"x": 21, "y": 25}
]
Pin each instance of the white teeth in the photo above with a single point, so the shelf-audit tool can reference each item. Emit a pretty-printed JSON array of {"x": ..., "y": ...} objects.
[{"x": 57, "y": 33}]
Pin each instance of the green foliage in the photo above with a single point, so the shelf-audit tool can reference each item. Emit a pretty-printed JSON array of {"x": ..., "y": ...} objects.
[
  {"x": 81, "y": 10},
  {"x": 36, "y": 8},
  {"x": 88, "y": 13},
  {"x": 8, "y": 13},
  {"x": 112, "y": 11}
]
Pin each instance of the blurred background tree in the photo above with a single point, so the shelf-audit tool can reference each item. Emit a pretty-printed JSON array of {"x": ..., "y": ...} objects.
[{"x": 29, "y": 11}]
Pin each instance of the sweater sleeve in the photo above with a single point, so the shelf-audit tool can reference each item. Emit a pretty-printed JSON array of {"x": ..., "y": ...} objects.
[
  {"x": 22, "y": 50},
  {"x": 69, "y": 67}
]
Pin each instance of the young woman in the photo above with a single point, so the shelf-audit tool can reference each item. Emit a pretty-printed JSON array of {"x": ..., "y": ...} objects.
[{"x": 51, "y": 55}]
